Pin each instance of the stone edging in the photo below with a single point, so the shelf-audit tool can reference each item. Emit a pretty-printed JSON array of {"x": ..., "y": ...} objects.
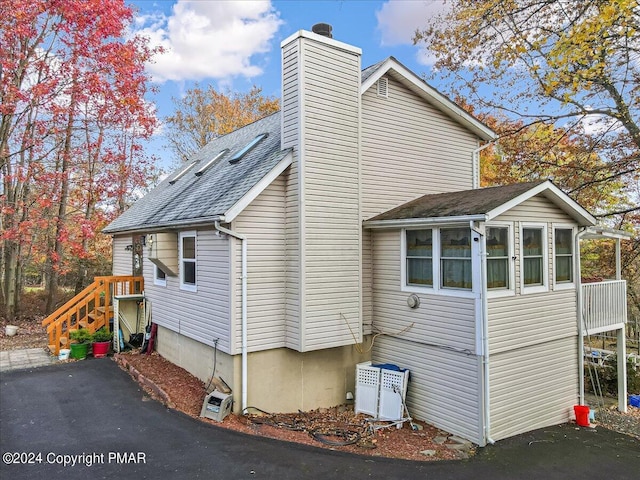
[{"x": 145, "y": 382}]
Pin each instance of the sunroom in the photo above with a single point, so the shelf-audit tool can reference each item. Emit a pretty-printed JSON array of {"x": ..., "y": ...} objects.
[{"x": 485, "y": 286}]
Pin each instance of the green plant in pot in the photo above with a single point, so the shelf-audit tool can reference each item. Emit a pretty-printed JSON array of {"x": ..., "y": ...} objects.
[
  {"x": 81, "y": 338},
  {"x": 101, "y": 342}
]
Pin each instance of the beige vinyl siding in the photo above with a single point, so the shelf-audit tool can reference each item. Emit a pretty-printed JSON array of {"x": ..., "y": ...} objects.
[
  {"x": 439, "y": 320},
  {"x": 536, "y": 209},
  {"x": 542, "y": 211},
  {"x": 331, "y": 106},
  {"x": 321, "y": 112},
  {"x": 533, "y": 340},
  {"x": 525, "y": 320},
  {"x": 203, "y": 315},
  {"x": 437, "y": 345},
  {"x": 263, "y": 223},
  {"x": 122, "y": 261},
  {"x": 290, "y": 138},
  {"x": 533, "y": 387},
  {"x": 444, "y": 387},
  {"x": 290, "y": 99},
  {"x": 410, "y": 149}
]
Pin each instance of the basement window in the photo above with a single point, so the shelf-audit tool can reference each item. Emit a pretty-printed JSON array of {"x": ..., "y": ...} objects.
[
  {"x": 250, "y": 146},
  {"x": 206, "y": 166}
]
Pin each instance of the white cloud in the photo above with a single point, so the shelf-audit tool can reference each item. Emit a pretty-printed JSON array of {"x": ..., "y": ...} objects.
[
  {"x": 209, "y": 39},
  {"x": 597, "y": 124},
  {"x": 399, "y": 19}
]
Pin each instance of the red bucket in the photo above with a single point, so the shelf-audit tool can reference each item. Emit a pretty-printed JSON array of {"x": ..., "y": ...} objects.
[{"x": 582, "y": 415}]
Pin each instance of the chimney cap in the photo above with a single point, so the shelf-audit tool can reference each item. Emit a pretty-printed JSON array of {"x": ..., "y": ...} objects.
[{"x": 323, "y": 29}]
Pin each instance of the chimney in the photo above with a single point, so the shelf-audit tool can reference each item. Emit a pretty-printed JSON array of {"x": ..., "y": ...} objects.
[
  {"x": 323, "y": 29},
  {"x": 321, "y": 123}
]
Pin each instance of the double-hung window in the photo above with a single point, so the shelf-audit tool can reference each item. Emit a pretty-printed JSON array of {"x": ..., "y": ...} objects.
[
  {"x": 188, "y": 263},
  {"x": 455, "y": 258},
  {"x": 563, "y": 252},
  {"x": 419, "y": 257},
  {"x": 437, "y": 259},
  {"x": 498, "y": 255},
  {"x": 534, "y": 265}
]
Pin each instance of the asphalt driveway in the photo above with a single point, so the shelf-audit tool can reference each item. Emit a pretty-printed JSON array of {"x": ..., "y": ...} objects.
[{"x": 90, "y": 420}]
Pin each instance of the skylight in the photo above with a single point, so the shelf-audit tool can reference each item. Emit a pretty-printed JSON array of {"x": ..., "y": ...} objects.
[
  {"x": 211, "y": 162},
  {"x": 182, "y": 172},
  {"x": 241, "y": 153}
]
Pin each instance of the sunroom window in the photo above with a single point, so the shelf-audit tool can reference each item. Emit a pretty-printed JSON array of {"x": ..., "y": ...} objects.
[
  {"x": 455, "y": 258},
  {"x": 420, "y": 257},
  {"x": 498, "y": 257},
  {"x": 533, "y": 256},
  {"x": 563, "y": 255}
]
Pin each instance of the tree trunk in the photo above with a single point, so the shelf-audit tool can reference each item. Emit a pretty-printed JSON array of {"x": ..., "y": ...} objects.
[{"x": 58, "y": 250}]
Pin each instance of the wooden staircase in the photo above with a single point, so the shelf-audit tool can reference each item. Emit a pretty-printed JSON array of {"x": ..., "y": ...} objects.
[{"x": 92, "y": 308}]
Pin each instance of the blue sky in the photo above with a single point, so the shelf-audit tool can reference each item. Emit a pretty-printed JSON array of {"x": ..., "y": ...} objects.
[{"x": 236, "y": 44}]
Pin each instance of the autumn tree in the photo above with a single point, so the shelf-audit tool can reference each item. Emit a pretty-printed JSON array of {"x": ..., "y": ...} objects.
[
  {"x": 203, "y": 114},
  {"x": 72, "y": 116},
  {"x": 570, "y": 66}
]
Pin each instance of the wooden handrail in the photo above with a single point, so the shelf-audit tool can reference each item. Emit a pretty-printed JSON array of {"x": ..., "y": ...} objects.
[{"x": 100, "y": 292}]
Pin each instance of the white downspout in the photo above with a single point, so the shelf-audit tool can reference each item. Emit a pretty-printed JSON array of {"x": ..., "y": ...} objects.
[
  {"x": 485, "y": 333},
  {"x": 243, "y": 239},
  {"x": 476, "y": 164},
  {"x": 581, "y": 325}
]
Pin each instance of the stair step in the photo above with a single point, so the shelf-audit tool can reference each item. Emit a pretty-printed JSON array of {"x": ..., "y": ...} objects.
[
  {"x": 103, "y": 309},
  {"x": 84, "y": 324}
]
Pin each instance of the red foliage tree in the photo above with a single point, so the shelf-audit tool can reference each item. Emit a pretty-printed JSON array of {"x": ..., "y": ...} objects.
[{"x": 73, "y": 114}]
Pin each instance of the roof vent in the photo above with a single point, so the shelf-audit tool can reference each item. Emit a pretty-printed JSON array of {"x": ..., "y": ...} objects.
[
  {"x": 383, "y": 87},
  {"x": 323, "y": 29}
]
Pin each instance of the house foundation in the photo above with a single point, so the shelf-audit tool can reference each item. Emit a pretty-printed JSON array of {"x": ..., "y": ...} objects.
[{"x": 279, "y": 380}]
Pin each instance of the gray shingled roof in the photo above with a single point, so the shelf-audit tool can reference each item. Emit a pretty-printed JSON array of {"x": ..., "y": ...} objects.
[
  {"x": 197, "y": 199},
  {"x": 367, "y": 72},
  {"x": 457, "y": 204}
]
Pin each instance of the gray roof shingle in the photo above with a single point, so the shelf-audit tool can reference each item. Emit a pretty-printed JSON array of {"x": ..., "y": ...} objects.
[
  {"x": 456, "y": 204},
  {"x": 197, "y": 199}
]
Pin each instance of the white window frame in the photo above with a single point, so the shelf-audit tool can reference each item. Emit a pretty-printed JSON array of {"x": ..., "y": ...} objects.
[
  {"x": 564, "y": 285},
  {"x": 188, "y": 286},
  {"x": 161, "y": 282},
  {"x": 437, "y": 288},
  {"x": 511, "y": 290},
  {"x": 525, "y": 289}
]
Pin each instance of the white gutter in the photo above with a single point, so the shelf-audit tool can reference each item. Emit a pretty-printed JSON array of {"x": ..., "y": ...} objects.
[
  {"x": 581, "y": 325},
  {"x": 243, "y": 239},
  {"x": 485, "y": 333},
  {"x": 418, "y": 222}
]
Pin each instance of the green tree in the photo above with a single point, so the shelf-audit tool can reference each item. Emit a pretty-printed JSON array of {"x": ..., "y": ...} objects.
[
  {"x": 572, "y": 64},
  {"x": 204, "y": 114}
]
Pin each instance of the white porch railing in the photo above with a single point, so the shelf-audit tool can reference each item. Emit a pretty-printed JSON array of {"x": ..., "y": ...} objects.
[{"x": 604, "y": 306}]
